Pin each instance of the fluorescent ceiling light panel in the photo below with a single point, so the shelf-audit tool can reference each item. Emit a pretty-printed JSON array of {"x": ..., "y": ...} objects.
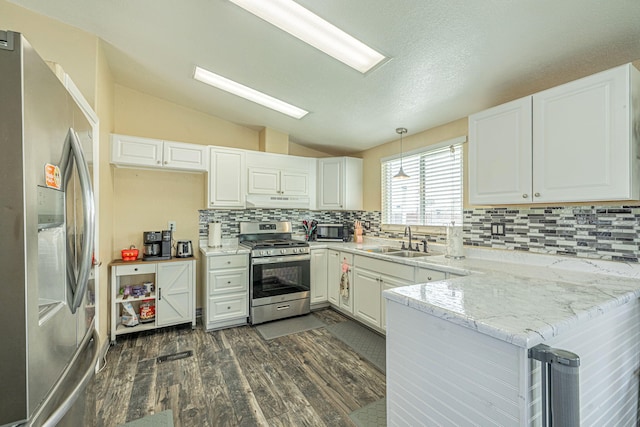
[
  {"x": 246, "y": 92},
  {"x": 310, "y": 28}
]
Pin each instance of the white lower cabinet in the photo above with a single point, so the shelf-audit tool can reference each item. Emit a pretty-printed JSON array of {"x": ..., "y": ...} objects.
[
  {"x": 333, "y": 277},
  {"x": 319, "y": 274},
  {"x": 225, "y": 291},
  {"x": 367, "y": 294},
  {"x": 173, "y": 293},
  {"x": 176, "y": 292}
]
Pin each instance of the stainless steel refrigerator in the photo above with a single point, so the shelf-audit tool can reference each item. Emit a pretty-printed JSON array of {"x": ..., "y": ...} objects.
[{"x": 48, "y": 345}]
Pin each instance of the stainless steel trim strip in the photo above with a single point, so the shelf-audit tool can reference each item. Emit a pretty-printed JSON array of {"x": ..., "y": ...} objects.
[{"x": 280, "y": 259}]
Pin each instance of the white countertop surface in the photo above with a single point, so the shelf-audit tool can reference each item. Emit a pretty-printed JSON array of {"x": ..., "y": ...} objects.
[{"x": 517, "y": 297}]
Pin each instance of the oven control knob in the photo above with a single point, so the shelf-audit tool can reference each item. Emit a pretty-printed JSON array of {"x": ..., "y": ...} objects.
[
  {"x": 283, "y": 251},
  {"x": 264, "y": 253},
  {"x": 295, "y": 251}
]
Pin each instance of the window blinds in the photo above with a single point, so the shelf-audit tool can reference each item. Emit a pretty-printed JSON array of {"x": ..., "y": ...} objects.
[{"x": 432, "y": 195}]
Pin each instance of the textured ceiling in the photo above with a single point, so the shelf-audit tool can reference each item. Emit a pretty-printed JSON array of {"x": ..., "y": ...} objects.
[{"x": 448, "y": 58}]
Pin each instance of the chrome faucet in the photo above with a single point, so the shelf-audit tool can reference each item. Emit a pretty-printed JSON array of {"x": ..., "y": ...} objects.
[{"x": 408, "y": 228}]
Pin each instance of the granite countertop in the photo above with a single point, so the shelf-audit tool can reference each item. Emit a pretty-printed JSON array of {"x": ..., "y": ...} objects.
[
  {"x": 524, "y": 301},
  {"x": 517, "y": 297}
]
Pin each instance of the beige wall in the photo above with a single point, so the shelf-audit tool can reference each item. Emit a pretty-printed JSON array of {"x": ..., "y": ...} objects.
[
  {"x": 371, "y": 158},
  {"x": 139, "y": 114},
  {"x": 104, "y": 109},
  {"x": 73, "y": 49},
  {"x": 302, "y": 151}
]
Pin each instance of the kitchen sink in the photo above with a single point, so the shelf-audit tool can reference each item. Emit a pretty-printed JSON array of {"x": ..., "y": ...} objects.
[
  {"x": 409, "y": 254},
  {"x": 383, "y": 250}
]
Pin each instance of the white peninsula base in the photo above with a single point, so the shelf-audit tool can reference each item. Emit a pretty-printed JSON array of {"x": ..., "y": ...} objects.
[{"x": 441, "y": 373}]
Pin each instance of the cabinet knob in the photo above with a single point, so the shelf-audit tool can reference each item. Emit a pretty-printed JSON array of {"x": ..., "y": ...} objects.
[
  {"x": 525, "y": 196},
  {"x": 158, "y": 162},
  {"x": 228, "y": 282},
  {"x": 228, "y": 262},
  {"x": 228, "y": 308},
  {"x": 166, "y": 162},
  {"x": 135, "y": 269},
  {"x": 537, "y": 194},
  {"x": 428, "y": 277}
]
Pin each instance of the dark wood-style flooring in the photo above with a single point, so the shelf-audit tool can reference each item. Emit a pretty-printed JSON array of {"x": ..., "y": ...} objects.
[{"x": 236, "y": 378}]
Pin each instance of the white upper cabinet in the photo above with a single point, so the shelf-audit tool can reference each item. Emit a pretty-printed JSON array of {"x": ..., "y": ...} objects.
[
  {"x": 574, "y": 142},
  {"x": 154, "y": 153},
  {"x": 339, "y": 183},
  {"x": 275, "y": 181},
  {"x": 278, "y": 180},
  {"x": 500, "y": 154},
  {"x": 227, "y": 184}
]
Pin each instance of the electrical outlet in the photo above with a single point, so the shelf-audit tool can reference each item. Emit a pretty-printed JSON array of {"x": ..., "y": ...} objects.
[{"x": 172, "y": 226}]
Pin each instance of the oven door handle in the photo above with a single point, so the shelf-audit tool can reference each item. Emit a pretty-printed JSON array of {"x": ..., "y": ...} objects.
[{"x": 280, "y": 259}]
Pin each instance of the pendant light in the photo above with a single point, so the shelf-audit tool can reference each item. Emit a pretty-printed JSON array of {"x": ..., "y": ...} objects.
[{"x": 401, "y": 174}]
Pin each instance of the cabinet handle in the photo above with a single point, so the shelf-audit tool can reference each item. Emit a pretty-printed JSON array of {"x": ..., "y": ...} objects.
[
  {"x": 159, "y": 294},
  {"x": 537, "y": 194},
  {"x": 525, "y": 196}
]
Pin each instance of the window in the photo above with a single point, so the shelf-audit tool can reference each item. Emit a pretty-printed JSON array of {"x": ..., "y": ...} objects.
[{"x": 432, "y": 195}]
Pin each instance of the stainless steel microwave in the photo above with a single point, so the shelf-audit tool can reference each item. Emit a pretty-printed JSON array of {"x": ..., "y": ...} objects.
[{"x": 332, "y": 233}]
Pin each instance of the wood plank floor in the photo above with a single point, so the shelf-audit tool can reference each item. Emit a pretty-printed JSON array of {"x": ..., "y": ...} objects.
[{"x": 236, "y": 378}]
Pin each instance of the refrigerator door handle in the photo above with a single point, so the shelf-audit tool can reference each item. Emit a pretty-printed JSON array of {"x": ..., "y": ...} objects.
[
  {"x": 73, "y": 150},
  {"x": 64, "y": 407}
]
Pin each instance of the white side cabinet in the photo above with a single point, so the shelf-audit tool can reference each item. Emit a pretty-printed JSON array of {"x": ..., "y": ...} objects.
[
  {"x": 333, "y": 277},
  {"x": 173, "y": 293},
  {"x": 135, "y": 151},
  {"x": 227, "y": 183},
  {"x": 225, "y": 295},
  {"x": 319, "y": 275},
  {"x": 339, "y": 183},
  {"x": 371, "y": 277},
  {"x": 574, "y": 142}
]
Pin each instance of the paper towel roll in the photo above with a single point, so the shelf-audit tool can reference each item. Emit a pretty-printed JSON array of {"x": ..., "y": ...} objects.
[
  {"x": 455, "y": 248},
  {"x": 215, "y": 234}
]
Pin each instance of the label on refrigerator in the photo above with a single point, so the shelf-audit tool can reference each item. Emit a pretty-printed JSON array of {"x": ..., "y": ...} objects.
[{"x": 52, "y": 176}]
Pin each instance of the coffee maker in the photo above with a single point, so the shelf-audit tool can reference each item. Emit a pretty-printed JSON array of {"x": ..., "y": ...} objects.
[{"x": 157, "y": 245}]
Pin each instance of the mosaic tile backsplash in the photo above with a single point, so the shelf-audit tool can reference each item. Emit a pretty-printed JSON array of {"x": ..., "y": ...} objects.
[{"x": 603, "y": 232}]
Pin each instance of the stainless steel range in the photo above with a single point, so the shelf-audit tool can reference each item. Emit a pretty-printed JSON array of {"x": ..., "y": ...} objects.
[{"x": 280, "y": 275}]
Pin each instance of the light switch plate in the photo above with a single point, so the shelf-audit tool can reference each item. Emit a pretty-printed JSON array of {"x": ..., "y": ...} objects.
[{"x": 497, "y": 229}]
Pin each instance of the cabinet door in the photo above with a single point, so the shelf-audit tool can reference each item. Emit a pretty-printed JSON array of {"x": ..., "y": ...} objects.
[
  {"x": 178, "y": 155},
  {"x": 333, "y": 277},
  {"x": 390, "y": 283},
  {"x": 293, "y": 183},
  {"x": 581, "y": 139},
  {"x": 500, "y": 154},
  {"x": 330, "y": 183},
  {"x": 366, "y": 296},
  {"x": 263, "y": 181},
  {"x": 175, "y": 295},
  {"x": 347, "y": 303},
  {"x": 227, "y": 181},
  {"x": 135, "y": 151},
  {"x": 319, "y": 276}
]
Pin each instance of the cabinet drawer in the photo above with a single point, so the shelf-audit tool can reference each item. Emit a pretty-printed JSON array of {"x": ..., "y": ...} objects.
[
  {"x": 405, "y": 272},
  {"x": 228, "y": 307},
  {"x": 228, "y": 261},
  {"x": 225, "y": 281},
  {"x": 128, "y": 270}
]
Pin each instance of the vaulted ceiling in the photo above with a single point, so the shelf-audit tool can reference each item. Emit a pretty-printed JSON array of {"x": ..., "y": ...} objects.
[{"x": 448, "y": 58}]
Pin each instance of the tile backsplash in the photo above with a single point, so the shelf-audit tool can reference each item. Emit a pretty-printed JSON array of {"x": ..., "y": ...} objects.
[{"x": 603, "y": 232}]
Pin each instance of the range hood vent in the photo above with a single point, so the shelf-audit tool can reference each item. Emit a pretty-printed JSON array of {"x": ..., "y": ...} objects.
[{"x": 274, "y": 201}]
